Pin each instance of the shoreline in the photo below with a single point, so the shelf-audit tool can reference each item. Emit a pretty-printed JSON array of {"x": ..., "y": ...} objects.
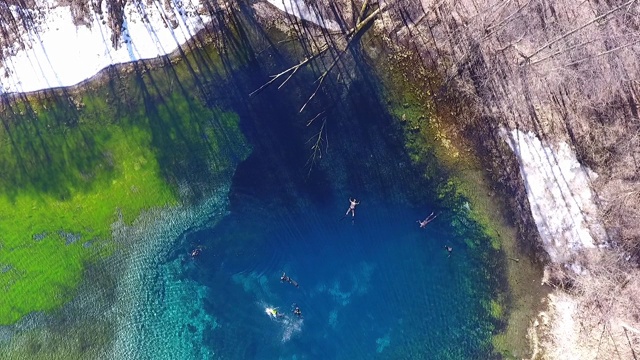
[
  {"x": 490, "y": 204},
  {"x": 61, "y": 54},
  {"x": 199, "y": 40}
]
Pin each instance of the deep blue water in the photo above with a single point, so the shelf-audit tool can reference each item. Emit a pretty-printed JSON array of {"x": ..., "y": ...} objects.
[{"x": 375, "y": 286}]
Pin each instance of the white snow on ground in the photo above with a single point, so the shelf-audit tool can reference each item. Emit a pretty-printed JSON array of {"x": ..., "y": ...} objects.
[
  {"x": 559, "y": 192},
  {"x": 62, "y": 54},
  {"x": 299, "y": 9},
  {"x": 564, "y": 331}
]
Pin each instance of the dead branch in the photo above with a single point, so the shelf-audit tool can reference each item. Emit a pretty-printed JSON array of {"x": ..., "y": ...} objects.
[
  {"x": 514, "y": 43},
  {"x": 322, "y": 77},
  {"x": 629, "y": 342},
  {"x": 615, "y": 346},
  {"x": 314, "y": 118},
  {"x": 632, "y": 329},
  {"x": 319, "y": 139},
  {"x": 292, "y": 69},
  {"x": 571, "y": 32},
  {"x": 497, "y": 14},
  {"x": 600, "y": 340},
  {"x": 362, "y": 10},
  {"x": 602, "y": 53},
  {"x": 562, "y": 51},
  {"x": 505, "y": 20},
  {"x": 350, "y": 35}
]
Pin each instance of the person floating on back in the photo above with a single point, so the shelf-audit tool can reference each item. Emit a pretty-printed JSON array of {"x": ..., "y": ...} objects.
[
  {"x": 352, "y": 207},
  {"x": 285, "y": 278},
  {"x": 430, "y": 218}
]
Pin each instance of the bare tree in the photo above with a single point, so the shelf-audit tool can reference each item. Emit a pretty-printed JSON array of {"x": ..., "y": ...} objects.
[{"x": 335, "y": 46}]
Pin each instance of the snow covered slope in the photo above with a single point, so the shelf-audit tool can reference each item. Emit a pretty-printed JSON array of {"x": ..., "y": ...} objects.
[{"x": 53, "y": 51}]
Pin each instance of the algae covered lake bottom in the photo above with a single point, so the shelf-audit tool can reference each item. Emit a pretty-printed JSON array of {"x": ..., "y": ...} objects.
[{"x": 112, "y": 188}]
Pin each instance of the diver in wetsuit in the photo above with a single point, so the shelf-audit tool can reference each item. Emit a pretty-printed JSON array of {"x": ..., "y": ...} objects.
[
  {"x": 296, "y": 311},
  {"x": 196, "y": 252},
  {"x": 285, "y": 278},
  {"x": 449, "y": 250}
]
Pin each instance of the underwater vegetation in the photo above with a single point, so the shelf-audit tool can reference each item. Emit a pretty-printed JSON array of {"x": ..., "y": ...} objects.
[
  {"x": 74, "y": 162},
  {"x": 425, "y": 111}
]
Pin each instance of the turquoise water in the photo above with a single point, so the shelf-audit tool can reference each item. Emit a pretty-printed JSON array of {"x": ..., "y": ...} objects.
[{"x": 372, "y": 286}]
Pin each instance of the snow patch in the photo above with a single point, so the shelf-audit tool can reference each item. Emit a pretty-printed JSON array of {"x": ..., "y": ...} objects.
[
  {"x": 564, "y": 328},
  {"x": 301, "y": 10},
  {"x": 559, "y": 193},
  {"x": 58, "y": 53}
]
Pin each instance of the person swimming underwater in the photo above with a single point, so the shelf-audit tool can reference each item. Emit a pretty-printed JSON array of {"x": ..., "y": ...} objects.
[
  {"x": 449, "y": 250},
  {"x": 284, "y": 278}
]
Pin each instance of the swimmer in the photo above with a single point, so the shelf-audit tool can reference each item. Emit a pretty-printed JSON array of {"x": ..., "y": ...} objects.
[
  {"x": 352, "y": 207},
  {"x": 273, "y": 313},
  {"x": 195, "y": 252},
  {"x": 449, "y": 250},
  {"x": 285, "y": 278},
  {"x": 296, "y": 311},
  {"x": 430, "y": 218}
]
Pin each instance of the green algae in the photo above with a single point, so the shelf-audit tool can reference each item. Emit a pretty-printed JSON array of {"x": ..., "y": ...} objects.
[
  {"x": 47, "y": 237},
  {"x": 496, "y": 309},
  {"x": 76, "y": 161}
]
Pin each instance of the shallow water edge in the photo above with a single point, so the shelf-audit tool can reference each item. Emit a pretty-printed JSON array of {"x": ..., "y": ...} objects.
[{"x": 428, "y": 112}]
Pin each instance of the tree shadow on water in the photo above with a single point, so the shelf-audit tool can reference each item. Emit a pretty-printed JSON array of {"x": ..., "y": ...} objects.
[{"x": 46, "y": 151}]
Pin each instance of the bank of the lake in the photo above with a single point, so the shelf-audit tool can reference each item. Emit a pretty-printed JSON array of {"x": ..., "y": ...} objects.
[{"x": 429, "y": 111}]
